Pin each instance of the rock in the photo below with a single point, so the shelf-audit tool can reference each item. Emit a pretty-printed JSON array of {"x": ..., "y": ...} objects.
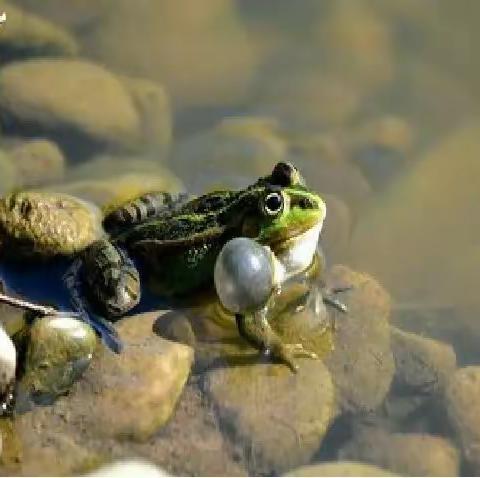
[
  {"x": 8, "y": 179},
  {"x": 27, "y": 35},
  {"x": 463, "y": 410},
  {"x": 37, "y": 161},
  {"x": 153, "y": 108},
  {"x": 357, "y": 43},
  {"x": 8, "y": 363},
  {"x": 421, "y": 364},
  {"x": 432, "y": 274},
  {"x": 117, "y": 179},
  {"x": 280, "y": 417},
  {"x": 240, "y": 148},
  {"x": 60, "y": 349},
  {"x": 127, "y": 468},
  {"x": 307, "y": 97},
  {"x": 59, "y": 455},
  {"x": 340, "y": 468},
  {"x": 380, "y": 147},
  {"x": 189, "y": 53},
  {"x": 132, "y": 395},
  {"x": 404, "y": 453},
  {"x": 44, "y": 93},
  {"x": 361, "y": 363}
]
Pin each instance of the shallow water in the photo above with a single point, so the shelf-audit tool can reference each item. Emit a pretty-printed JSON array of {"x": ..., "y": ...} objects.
[{"x": 377, "y": 104}]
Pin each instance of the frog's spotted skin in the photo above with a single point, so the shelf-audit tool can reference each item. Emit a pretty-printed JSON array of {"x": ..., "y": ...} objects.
[
  {"x": 178, "y": 241},
  {"x": 40, "y": 224},
  {"x": 145, "y": 207},
  {"x": 179, "y": 249}
]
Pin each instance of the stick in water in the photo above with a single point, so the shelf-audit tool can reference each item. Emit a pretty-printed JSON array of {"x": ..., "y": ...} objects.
[{"x": 36, "y": 308}]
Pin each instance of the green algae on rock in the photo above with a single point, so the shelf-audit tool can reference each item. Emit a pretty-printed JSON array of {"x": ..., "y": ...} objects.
[
  {"x": 42, "y": 224},
  {"x": 60, "y": 349}
]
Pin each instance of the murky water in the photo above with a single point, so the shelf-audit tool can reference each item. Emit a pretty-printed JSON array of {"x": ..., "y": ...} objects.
[{"x": 376, "y": 103}]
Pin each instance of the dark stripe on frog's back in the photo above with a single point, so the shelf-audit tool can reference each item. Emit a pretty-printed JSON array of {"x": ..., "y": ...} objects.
[{"x": 143, "y": 208}]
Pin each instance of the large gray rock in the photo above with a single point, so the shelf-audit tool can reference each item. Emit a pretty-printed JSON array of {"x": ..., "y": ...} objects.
[
  {"x": 361, "y": 363},
  {"x": 404, "y": 453},
  {"x": 422, "y": 364},
  {"x": 37, "y": 161},
  {"x": 25, "y": 34},
  {"x": 132, "y": 395},
  {"x": 45, "y": 94},
  {"x": 462, "y": 401},
  {"x": 278, "y": 416}
]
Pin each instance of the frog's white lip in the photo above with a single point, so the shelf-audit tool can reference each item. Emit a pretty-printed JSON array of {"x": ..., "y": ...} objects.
[{"x": 296, "y": 254}]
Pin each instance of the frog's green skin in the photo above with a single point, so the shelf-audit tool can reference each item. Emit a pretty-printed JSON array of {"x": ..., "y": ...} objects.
[
  {"x": 179, "y": 249},
  {"x": 178, "y": 240}
]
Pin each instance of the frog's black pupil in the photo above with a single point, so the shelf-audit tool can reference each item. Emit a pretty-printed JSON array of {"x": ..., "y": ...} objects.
[{"x": 274, "y": 202}]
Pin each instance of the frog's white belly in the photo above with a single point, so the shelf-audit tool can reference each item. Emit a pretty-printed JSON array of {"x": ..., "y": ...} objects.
[{"x": 298, "y": 256}]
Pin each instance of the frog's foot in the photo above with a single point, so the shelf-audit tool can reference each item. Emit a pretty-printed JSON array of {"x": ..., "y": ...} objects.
[
  {"x": 287, "y": 353},
  {"x": 257, "y": 331},
  {"x": 329, "y": 297}
]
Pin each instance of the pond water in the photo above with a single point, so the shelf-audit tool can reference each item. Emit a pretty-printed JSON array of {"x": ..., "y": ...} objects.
[{"x": 376, "y": 103}]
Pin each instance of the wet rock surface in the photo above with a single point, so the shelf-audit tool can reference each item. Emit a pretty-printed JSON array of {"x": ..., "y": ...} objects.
[
  {"x": 280, "y": 417},
  {"x": 340, "y": 468},
  {"x": 27, "y": 35},
  {"x": 148, "y": 376},
  {"x": 421, "y": 364},
  {"x": 59, "y": 351},
  {"x": 37, "y": 161},
  {"x": 361, "y": 363},
  {"x": 462, "y": 406},
  {"x": 404, "y": 453},
  {"x": 42, "y": 93}
]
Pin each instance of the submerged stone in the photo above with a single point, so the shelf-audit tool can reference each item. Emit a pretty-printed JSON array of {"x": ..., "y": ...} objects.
[
  {"x": 59, "y": 351},
  {"x": 279, "y": 417}
]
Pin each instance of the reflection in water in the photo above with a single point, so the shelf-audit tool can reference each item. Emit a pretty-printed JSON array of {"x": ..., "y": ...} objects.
[{"x": 376, "y": 103}]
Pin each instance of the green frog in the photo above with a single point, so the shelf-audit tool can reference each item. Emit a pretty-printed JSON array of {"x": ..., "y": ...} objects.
[
  {"x": 179, "y": 244},
  {"x": 176, "y": 239}
]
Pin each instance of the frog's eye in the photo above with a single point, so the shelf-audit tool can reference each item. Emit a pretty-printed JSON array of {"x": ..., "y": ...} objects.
[{"x": 273, "y": 204}]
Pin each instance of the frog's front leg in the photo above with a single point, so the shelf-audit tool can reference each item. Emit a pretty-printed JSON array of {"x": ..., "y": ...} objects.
[
  {"x": 111, "y": 284},
  {"x": 254, "y": 328}
]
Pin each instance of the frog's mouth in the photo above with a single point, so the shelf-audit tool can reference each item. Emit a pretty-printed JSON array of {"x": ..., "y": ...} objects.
[{"x": 295, "y": 254}]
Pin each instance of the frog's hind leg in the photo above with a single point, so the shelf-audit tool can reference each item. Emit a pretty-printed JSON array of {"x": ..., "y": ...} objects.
[
  {"x": 73, "y": 281},
  {"x": 257, "y": 331},
  {"x": 141, "y": 209}
]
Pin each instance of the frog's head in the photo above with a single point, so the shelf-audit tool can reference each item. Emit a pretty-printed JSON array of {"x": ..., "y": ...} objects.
[{"x": 284, "y": 214}]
